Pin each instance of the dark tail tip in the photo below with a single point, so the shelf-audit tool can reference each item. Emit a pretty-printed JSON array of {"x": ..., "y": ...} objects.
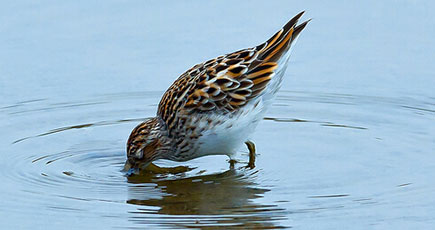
[
  {"x": 299, "y": 28},
  {"x": 293, "y": 21}
]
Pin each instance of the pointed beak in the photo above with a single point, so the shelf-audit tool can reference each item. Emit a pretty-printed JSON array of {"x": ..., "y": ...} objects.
[
  {"x": 129, "y": 170},
  {"x": 127, "y": 166}
]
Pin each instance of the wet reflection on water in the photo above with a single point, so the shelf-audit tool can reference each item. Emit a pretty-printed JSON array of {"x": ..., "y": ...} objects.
[{"x": 223, "y": 200}]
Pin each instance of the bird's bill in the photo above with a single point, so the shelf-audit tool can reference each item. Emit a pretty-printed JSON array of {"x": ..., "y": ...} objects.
[
  {"x": 129, "y": 170},
  {"x": 127, "y": 166}
]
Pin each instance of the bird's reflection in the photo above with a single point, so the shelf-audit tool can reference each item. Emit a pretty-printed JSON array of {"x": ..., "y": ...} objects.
[{"x": 220, "y": 200}]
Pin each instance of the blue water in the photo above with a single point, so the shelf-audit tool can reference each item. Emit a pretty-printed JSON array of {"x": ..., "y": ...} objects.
[{"x": 348, "y": 144}]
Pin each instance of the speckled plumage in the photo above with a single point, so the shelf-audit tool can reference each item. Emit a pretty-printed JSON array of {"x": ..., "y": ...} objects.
[{"x": 214, "y": 106}]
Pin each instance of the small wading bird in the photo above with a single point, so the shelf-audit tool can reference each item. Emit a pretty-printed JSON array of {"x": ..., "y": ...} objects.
[{"x": 212, "y": 108}]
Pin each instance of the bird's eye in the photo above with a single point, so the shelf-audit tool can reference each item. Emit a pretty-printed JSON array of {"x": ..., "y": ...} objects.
[{"x": 138, "y": 154}]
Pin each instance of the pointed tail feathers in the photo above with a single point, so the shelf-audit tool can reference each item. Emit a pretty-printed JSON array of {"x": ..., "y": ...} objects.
[{"x": 278, "y": 45}]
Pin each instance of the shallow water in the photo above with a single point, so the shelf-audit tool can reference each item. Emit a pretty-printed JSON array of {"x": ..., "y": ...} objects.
[{"x": 349, "y": 142}]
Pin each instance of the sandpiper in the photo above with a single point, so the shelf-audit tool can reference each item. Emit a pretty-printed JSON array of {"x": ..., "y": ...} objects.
[{"x": 213, "y": 107}]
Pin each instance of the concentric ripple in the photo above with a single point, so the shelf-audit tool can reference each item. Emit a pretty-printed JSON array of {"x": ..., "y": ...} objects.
[{"x": 64, "y": 159}]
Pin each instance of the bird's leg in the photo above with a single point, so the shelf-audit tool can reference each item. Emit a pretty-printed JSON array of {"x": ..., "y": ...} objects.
[
  {"x": 232, "y": 163},
  {"x": 251, "y": 163},
  {"x": 251, "y": 147}
]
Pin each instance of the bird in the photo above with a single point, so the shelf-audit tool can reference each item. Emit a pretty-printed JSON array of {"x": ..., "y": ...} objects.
[{"x": 214, "y": 107}]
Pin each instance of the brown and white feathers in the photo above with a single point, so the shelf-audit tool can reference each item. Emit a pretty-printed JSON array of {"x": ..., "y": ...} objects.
[{"x": 215, "y": 105}]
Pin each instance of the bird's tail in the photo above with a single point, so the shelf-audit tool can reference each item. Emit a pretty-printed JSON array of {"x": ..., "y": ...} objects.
[{"x": 276, "y": 48}]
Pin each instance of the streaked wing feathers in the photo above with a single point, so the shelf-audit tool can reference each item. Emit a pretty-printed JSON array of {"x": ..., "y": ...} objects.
[{"x": 229, "y": 88}]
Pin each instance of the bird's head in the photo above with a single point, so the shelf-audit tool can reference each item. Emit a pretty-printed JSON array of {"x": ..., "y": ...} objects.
[{"x": 147, "y": 142}]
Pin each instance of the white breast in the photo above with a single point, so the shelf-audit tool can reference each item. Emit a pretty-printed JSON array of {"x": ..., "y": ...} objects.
[{"x": 227, "y": 137}]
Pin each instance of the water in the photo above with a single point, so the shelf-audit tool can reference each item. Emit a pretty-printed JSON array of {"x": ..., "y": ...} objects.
[{"x": 349, "y": 142}]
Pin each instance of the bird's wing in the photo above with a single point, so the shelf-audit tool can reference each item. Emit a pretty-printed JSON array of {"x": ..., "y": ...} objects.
[{"x": 228, "y": 82}]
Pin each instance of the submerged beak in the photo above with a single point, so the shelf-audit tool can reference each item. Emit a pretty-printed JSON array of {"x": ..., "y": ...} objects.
[{"x": 129, "y": 170}]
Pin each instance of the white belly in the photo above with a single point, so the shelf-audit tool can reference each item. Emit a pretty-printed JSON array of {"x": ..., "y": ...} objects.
[{"x": 228, "y": 137}]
